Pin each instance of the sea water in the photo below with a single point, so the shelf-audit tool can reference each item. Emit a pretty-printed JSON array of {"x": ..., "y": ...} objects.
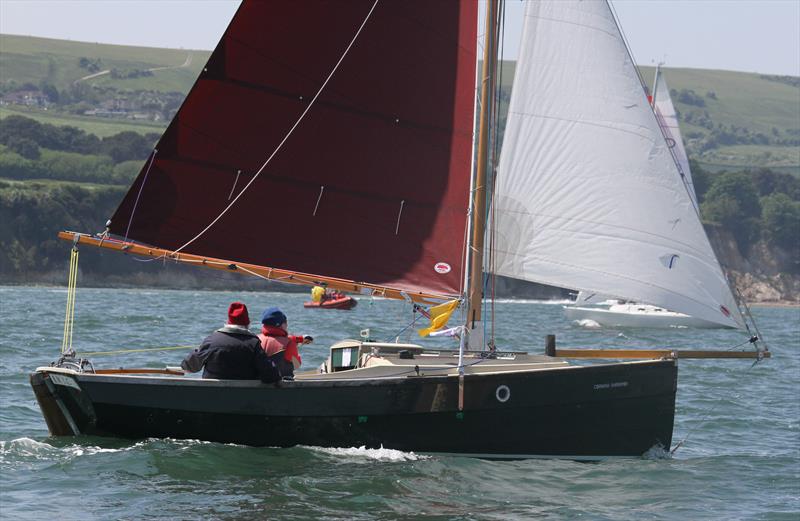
[{"x": 739, "y": 424}]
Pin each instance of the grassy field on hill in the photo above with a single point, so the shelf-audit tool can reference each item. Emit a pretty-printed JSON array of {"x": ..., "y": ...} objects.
[
  {"x": 101, "y": 127},
  {"x": 742, "y": 99},
  {"x": 31, "y": 59},
  {"x": 738, "y": 100}
]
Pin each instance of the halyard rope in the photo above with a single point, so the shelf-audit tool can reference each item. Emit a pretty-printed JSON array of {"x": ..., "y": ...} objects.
[
  {"x": 69, "y": 317},
  {"x": 288, "y": 134},
  {"x": 139, "y": 194}
]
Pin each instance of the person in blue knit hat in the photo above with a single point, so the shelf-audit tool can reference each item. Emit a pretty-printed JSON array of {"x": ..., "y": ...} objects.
[
  {"x": 275, "y": 338},
  {"x": 233, "y": 352}
]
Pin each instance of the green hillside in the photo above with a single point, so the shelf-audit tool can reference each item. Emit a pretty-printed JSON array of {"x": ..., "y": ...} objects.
[
  {"x": 100, "y": 127},
  {"x": 729, "y": 120},
  {"x": 27, "y": 59},
  {"x": 738, "y": 101}
]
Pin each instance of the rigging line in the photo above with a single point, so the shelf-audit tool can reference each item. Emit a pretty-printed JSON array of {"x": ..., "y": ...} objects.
[
  {"x": 238, "y": 173},
  {"x": 740, "y": 302},
  {"x": 255, "y": 274},
  {"x": 142, "y": 350},
  {"x": 289, "y": 133},
  {"x": 464, "y": 255},
  {"x": 413, "y": 321},
  {"x": 139, "y": 194},
  {"x": 705, "y": 417},
  {"x": 625, "y": 43},
  {"x": 670, "y": 149},
  {"x": 321, "y": 189},
  {"x": 496, "y": 129},
  {"x": 73, "y": 290},
  {"x": 397, "y": 227},
  {"x": 69, "y": 315}
]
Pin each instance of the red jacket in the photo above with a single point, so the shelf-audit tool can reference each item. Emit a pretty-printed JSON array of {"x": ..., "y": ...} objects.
[{"x": 274, "y": 340}]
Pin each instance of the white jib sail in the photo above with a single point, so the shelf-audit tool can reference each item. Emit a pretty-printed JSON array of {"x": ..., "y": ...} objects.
[
  {"x": 668, "y": 118},
  {"x": 588, "y": 196}
]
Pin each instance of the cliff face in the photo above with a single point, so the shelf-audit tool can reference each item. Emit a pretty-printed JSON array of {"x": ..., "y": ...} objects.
[{"x": 767, "y": 274}]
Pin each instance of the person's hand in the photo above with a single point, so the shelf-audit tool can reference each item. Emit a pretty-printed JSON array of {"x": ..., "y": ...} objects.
[{"x": 307, "y": 339}]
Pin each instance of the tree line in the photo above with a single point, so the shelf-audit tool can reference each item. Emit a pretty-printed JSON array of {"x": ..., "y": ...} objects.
[
  {"x": 752, "y": 205},
  {"x": 33, "y": 150}
]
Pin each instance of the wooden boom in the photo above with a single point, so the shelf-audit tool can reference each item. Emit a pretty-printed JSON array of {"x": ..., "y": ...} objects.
[{"x": 276, "y": 274}]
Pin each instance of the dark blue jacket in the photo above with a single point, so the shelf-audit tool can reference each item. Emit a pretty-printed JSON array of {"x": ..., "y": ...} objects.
[{"x": 232, "y": 354}]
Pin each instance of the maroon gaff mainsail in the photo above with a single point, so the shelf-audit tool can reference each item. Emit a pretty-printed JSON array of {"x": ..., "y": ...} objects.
[{"x": 372, "y": 185}]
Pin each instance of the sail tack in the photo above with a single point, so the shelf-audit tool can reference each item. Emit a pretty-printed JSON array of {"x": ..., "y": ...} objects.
[
  {"x": 373, "y": 183},
  {"x": 588, "y": 195}
]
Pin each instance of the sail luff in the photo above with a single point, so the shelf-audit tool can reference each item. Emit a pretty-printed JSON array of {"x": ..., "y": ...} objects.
[{"x": 588, "y": 194}]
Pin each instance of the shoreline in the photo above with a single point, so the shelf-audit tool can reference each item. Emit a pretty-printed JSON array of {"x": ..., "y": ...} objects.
[{"x": 771, "y": 304}]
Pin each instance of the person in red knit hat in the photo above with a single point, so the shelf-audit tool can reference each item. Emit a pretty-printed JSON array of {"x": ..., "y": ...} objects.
[
  {"x": 233, "y": 352},
  {"x": 275, "y": 339}
]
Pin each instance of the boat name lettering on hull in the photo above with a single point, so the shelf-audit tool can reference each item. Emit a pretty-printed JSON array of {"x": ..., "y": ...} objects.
[
  {"x": 64, "y": 380},
  {"x": 612, "y": 385}
]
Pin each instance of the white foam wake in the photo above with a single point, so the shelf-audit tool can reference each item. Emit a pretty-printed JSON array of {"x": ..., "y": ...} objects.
[
  {"x": 588, "y": 323},
  {"x": 30, "y": 448},
  {"x": 366, "y": 454}
]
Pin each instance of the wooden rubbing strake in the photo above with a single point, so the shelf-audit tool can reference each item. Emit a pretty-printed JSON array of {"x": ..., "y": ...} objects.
[{"x": 657, "y": 353}]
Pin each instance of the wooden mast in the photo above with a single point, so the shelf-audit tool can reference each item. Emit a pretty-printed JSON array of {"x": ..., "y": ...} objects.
[{"x": 488, "y": 78}]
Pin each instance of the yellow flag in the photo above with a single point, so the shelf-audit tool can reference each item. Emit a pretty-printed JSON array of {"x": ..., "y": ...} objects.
[{"x": 439, "y": 316}]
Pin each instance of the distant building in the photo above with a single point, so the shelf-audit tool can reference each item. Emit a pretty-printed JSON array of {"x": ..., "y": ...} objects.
[{"x": 30, "y": 98}]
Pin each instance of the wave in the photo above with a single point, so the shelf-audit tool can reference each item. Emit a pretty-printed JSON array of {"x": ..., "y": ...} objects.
[
  {"x": 364, "y": 453},
  {"x": 28, "y": 448},
  {"x": 588, "y": 323},
  {"x": 657, "y": 452}
]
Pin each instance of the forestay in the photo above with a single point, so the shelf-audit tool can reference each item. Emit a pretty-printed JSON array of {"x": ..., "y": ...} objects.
[{"x": 588, "y": 195}]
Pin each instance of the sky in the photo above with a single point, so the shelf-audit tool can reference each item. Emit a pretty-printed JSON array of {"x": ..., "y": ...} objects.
[{"x": 744, "y": 35}]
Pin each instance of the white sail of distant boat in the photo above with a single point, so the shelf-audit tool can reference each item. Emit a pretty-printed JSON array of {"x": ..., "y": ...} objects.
[
  {"x": 668, "y": 119},
  {"x": 588, "y": 194}
]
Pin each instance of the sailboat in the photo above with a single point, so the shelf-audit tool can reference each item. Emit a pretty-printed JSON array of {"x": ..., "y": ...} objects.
[
  {"x": 370, "y": 105},
  {"x": 600, "y": 310},
  {"x": 624, "y": 311}
]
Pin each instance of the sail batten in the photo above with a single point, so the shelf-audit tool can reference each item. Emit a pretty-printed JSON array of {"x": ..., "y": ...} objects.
[
  {"x": 389, "y": 138},
  {"x": 588, "y": 194}
]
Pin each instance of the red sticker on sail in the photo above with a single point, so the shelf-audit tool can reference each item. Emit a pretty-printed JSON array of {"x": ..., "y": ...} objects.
[
  {"x": 725, "y": 311},
  {"x": 442, "y": 267}
]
